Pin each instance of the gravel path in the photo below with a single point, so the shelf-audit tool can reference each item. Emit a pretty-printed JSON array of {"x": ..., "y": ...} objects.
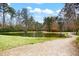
[{"x": 61, "y": 47}]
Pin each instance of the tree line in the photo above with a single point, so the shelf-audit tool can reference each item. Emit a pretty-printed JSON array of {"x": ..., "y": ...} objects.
[
  {"x": 17, "y": 20},
  {"x": 21, "y": 20}
]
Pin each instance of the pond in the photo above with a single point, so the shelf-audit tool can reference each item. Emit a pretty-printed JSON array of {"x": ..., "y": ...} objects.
[{"x": 34, "y": 34}]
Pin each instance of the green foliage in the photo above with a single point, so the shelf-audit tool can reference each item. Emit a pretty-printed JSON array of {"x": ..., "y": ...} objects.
[
  {"x": 5, "y": 8},
  {"x": 24, "y": 21},
  {"x": 77, "y": 33},
  {"x": 48, "y": 22},
  {"x": 77, "y": 41}
]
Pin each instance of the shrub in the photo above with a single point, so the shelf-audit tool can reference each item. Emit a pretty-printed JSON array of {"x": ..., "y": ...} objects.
[{"x": 77, "y": 41}]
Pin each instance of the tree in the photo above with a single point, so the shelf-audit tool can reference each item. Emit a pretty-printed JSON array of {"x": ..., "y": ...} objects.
[
  {"x": 47, "y": 23},
  {"x": 18, "y": 17},
  {"x": 50, "y": 24},
  {"x": 70, "y": 15},
  {"x": 24, "y": 14},
  {"x": 4, "y": 8},
  {"x": 54, "y": 24},
  {"x": 12, "y": 13},
  {"x": 38, "y": 26},
  {"x": 60, "y": 23},
  {"x": 31, "y": 23},
  {"x": 77, "y": 24}
]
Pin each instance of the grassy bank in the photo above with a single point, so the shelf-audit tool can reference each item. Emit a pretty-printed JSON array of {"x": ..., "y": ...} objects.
[
  {"x": 7, "y": 42},
  {"x": 36, "y": 34},
  {"x": 13, "y": 39}
]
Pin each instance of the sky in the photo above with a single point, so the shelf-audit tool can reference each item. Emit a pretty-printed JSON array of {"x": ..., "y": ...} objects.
[{"x": 39, "y": 10}]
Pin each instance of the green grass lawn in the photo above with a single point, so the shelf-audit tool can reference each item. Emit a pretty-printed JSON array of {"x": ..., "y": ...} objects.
[{"x": 8, "y": 41}]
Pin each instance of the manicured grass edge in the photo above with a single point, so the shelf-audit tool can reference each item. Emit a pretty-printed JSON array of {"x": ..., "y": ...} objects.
[{"x": 26, "y": 40}]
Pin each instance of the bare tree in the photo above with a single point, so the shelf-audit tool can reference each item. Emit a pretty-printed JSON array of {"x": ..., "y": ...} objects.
[{"x": 70, "y": 15}]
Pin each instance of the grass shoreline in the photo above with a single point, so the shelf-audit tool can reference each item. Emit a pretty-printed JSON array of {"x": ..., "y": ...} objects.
[
  {"x": 11, "y": 41},
  {"x": 8, "y": 42}
]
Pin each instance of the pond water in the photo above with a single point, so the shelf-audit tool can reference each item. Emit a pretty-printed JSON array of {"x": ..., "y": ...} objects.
[{"x": 33, "y": 34}]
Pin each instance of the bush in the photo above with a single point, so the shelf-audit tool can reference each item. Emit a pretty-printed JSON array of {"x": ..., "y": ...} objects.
[
  {"x": 77, "y": 33},
  {"x": 77, "y": 41}
]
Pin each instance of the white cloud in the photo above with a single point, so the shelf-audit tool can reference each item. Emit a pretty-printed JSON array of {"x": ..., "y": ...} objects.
[
  {"x": 36, "y": 10},
  {"x": 9, "y": 3},
  {"x": 58, "y": 11},
  {"x": 44, "y": 11},
  {"x": 38, "y": 18},
  {"x": 48, "y": 11},
  {"x": 29, "y": 7},
  {"x": 39, "y": 13}
]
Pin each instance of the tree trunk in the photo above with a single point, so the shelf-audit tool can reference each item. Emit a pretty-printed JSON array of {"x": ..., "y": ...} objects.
[
  {"x": 10, "y": 22},
  {"x": 3, "y": 20},
  {"x": 25, "y": 30}
]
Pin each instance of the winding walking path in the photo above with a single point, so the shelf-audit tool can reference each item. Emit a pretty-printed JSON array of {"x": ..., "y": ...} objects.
[{"x": 61, "y": 47}]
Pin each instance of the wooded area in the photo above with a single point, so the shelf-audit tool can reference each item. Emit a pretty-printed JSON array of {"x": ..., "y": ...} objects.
[{"x": 22, "y": 20}]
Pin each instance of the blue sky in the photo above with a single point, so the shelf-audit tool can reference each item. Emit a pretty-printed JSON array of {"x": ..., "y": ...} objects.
[{"x": 39, "y": 10}]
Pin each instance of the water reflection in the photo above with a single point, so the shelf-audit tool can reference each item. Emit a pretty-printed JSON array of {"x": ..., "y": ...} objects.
[{"x": 34, "y": 34}]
